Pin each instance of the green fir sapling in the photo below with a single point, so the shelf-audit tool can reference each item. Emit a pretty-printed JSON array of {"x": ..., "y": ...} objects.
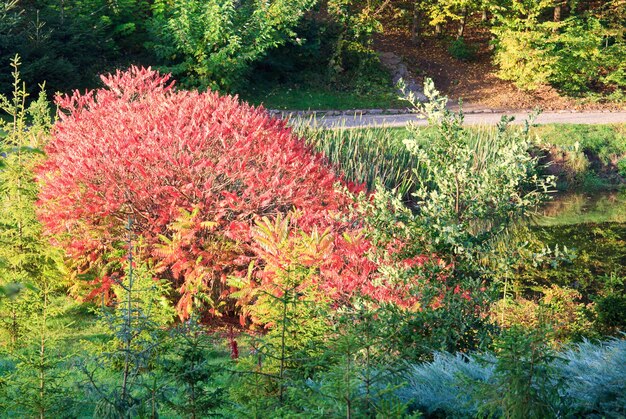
[{"x": 123, "y": 378}]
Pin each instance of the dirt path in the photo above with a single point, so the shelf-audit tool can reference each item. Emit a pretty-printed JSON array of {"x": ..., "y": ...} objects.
[{"x": 401, "y": 120}]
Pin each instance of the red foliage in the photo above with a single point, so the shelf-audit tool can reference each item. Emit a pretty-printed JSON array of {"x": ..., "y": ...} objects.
[{"x": 193, "y": 170}]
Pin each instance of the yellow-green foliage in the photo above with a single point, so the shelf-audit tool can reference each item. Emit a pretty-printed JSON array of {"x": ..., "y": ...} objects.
[
  {"x": 576, "y": 54},
  {"x": 26, "y": 259},
  {"x": 559, "y": 308},
  {"x": 522, "y": 57}
]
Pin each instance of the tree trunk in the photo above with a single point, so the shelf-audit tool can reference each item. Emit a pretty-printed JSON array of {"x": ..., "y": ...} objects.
[
  {"x": 42, "y": 358},
  {"x": 463, "y": 23},
  {"x": 415, "y": 25},
  {"x": 558, "y": 10},
  {"x": 438, "y": 30}
]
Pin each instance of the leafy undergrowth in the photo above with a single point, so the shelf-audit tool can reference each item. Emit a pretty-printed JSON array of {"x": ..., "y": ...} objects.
[{"x": 476, "y": 81}]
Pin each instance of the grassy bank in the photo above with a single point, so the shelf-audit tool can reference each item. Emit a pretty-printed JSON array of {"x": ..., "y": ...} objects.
[{"x": 583, "y": 157}]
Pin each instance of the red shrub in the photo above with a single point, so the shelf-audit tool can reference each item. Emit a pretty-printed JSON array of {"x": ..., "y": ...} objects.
[
  {"x": 193, "y": 170},
  {"x": 140, "y": 149}
]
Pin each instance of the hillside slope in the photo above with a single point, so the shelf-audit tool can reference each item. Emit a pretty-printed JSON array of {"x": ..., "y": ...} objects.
[{"x": 475, "y": 81}]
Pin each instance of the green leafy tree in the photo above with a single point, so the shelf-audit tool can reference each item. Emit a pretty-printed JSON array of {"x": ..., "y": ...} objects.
[
  {"x": 538, "y": 44},
  {"x": 67, "y": 43},
  {"x": 471, "y": 188},
  {"x": 353, "y": 56},
  {"x": 213, "y": 44},
  {"x": 588, "y": 52},
  {"x": 523, "y": 43},
  {"x": 472, "y": 185},
  {"x": 441, "y": 12}
]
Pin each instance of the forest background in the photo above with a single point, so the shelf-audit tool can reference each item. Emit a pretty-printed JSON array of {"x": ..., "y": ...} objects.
[{"x": 326, "y": 53}]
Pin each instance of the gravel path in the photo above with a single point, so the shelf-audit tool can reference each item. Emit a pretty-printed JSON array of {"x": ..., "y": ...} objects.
[{"x": 476, "y": 118}]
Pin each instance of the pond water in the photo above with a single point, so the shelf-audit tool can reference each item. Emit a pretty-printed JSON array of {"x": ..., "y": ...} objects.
[
  {"x": 593, "y": 225},
  {"x": 584, "y": 208}
]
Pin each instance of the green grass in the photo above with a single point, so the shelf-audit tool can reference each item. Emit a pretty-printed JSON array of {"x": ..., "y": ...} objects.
[
  {"x": 364, "y": 154},
  {"x": 318, "y": 98},
  {"x": 594, "y": 155},
  {"x": 605, "y": 141},
  {"x": 74, "y": 322}
]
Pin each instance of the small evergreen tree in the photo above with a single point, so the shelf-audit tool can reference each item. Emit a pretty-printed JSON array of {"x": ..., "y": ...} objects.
[
  {"x": 32, "y": 268},
  {"x": 196, "y": 370},
  {"x": 25, "y": 253},
  {"x": 37, "y": 383},
  {"x": 288, "y": 303},
  {"x": 525, "y": 383},
  {"x": 362, "y": 370},
  {"x": 124, "y": 378}
]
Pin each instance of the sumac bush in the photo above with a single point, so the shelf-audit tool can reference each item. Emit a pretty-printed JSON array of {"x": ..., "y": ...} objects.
[{"x": 193, "y": 171}]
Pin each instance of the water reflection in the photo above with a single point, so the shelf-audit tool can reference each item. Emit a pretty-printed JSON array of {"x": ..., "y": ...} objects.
[{"x": 578, "y": 208}]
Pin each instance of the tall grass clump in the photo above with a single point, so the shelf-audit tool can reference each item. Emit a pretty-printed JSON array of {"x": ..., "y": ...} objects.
[
  {"x": 435, "y": 388},
  {"x": 596, "y": 378},
  {"x": 365, "y": 155},
  {"x": 370, "y": 154}
]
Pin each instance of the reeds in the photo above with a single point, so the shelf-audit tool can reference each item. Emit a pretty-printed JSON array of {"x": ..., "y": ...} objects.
[{"x": 363, "y": 155}]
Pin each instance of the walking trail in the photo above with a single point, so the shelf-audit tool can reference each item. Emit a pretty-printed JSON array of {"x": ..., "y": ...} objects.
[
  {"x": 376, "y": 118},
  {"x": 474, "y": 115}
]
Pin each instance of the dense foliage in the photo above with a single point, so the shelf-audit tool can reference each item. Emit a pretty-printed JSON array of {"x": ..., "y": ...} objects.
[
  {"x": 576, "y": 53},
  {"x": 194, "y": 172},
  {"x": 155, "y": 202},
  {"x": 66, "y": 44},
  {"x": 323, "y": 45},
  {"x": 215, "y": 43}
]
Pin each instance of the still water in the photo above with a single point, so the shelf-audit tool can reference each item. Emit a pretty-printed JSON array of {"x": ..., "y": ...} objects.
[
  {"x": 593, "y": 226},
  {"x": 584, "y": 208}
]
